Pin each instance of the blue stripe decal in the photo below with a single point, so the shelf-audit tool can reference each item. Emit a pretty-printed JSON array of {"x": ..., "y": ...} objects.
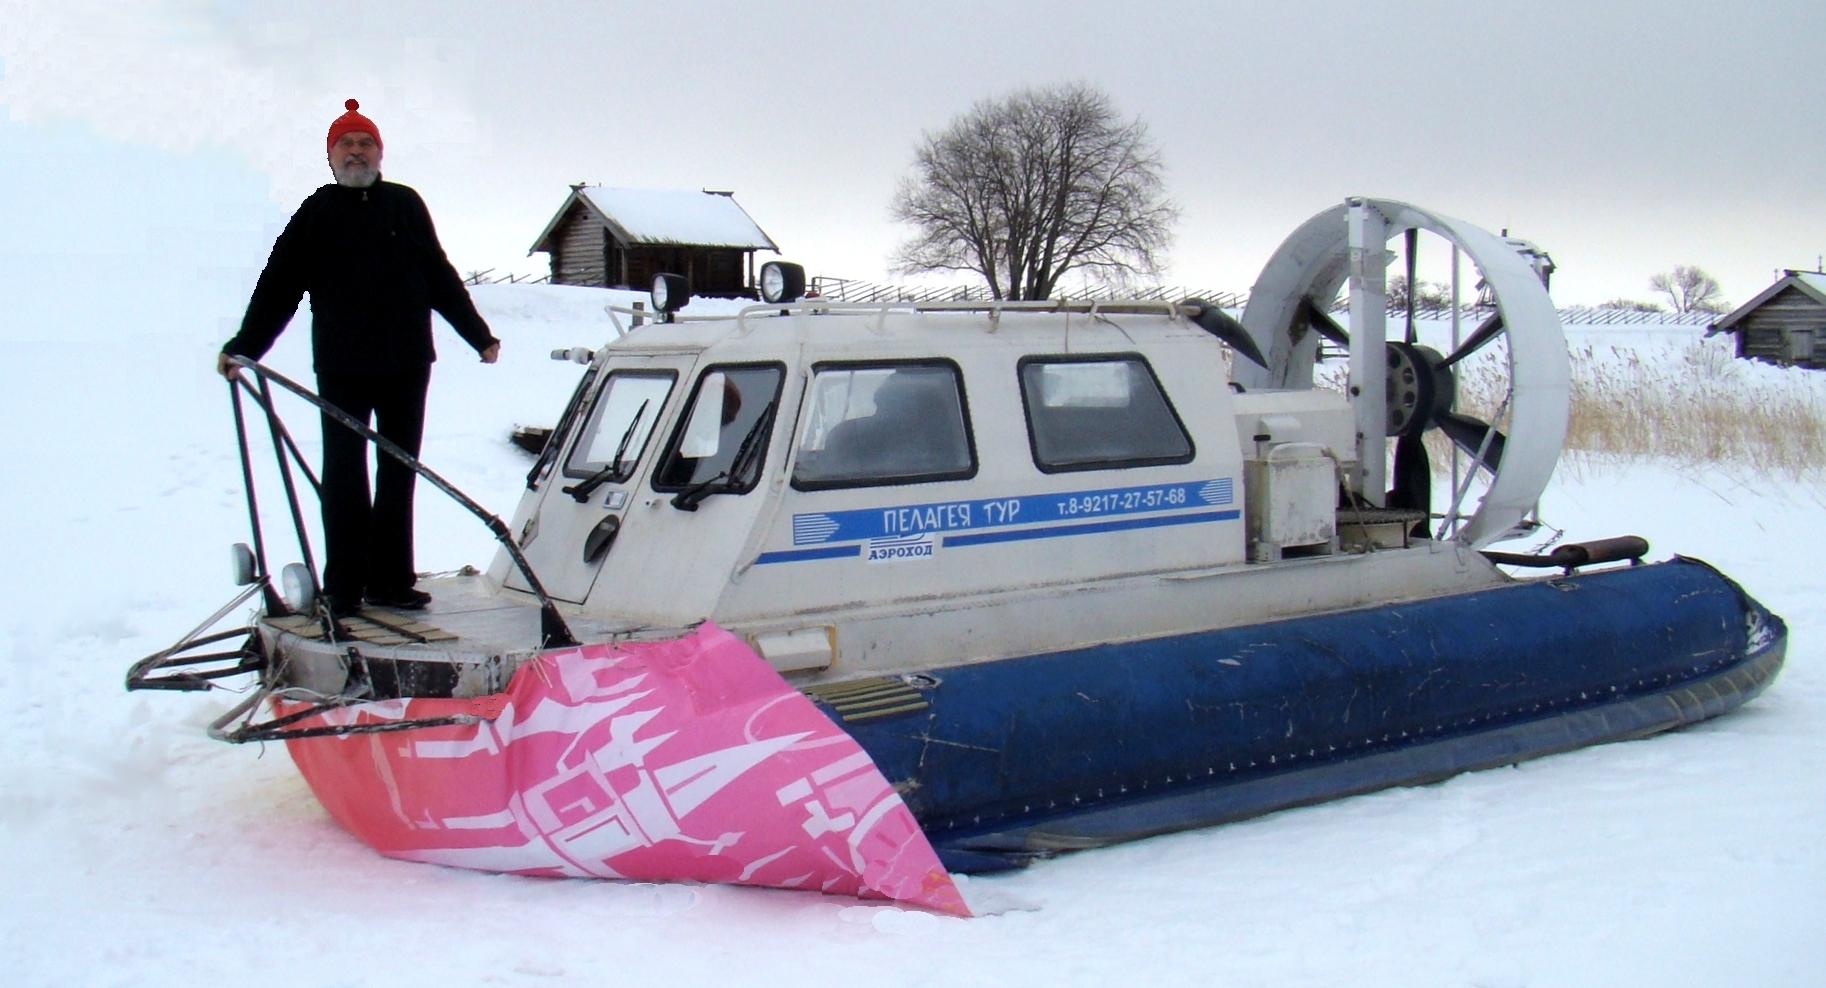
[
  {"x": 1056, "y": 531},
  {"x": 812, "y": 528},
  {"x": 902, "y": 520},
  {"x": 800, "y": 555}
]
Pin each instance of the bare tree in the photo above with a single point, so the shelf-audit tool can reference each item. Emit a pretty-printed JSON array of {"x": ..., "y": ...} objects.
[
  {"x": 1688, "y": 289},
  {"x": 1028, "y": 187}
]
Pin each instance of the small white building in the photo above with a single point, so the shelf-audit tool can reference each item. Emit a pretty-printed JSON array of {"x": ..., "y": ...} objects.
[{"x": 1785, "y": 324}]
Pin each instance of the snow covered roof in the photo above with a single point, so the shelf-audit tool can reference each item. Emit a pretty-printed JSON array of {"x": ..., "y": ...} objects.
[
  {"x": 665, "y": 216},
  {"x": 1811, "y": 282}
]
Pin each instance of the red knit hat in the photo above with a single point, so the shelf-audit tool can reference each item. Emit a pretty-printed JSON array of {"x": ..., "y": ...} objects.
[{"x": 352, "y": 121}]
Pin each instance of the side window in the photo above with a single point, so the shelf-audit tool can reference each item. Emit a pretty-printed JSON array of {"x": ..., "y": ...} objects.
[
  {"x": 627, "y": 408},
  {"x": 722, "y": 437},
  {"x": 1099, "y": 413},
  {"x": 876, "y": 424}
]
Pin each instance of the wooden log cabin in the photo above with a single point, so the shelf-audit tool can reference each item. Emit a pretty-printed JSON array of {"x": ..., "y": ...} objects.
[
  {"x": 621, "y": 238},
  {"x": 1786, "y": 324}
]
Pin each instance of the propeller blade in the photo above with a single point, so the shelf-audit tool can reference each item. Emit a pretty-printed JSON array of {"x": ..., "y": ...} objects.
[
  {"x": 1323, "y": 324},
  {"x": 1413, "y": 478},
  {"x": 1468, "y": 433},
  {"x": 1476, "y": 341},
  {"x": 1413, "y": 260},
  {"x": 1218, "y": 323}
]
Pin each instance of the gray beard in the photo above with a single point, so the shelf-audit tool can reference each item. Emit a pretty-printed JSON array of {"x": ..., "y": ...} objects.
[{"x": 356, "y": 176}]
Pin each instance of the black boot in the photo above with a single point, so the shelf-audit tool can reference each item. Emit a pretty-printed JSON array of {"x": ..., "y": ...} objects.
[{"x": 409, "y": 599}]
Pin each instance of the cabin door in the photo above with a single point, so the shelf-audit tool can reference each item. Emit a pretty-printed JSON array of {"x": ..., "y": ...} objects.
[{"x": 588, "y": 492}]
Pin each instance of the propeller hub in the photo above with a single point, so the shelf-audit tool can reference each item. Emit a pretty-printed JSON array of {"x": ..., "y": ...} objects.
[{"x": 1420, "y": 388}]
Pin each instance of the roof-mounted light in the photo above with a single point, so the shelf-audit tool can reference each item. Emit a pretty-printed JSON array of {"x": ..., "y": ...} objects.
[
  {"x": 670, "y": 293},
  {"x": 782, "y": 281}
]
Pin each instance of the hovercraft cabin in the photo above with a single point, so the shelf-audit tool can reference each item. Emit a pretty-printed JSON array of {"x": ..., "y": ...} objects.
[{"x": 621, "y": 238}]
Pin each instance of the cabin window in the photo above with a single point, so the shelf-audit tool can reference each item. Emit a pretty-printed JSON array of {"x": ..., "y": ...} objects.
[
  {"x": 562, "y": 432},
  {"x": 874, "y": 424},
  {"x": 627, "y": 409},
  {"x": 1099, "y": 413},
  {"x": 722, "y": 438}
]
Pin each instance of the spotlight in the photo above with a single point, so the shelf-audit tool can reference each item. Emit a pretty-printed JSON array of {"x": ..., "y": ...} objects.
[
  {"x": 782, "y": 281},
  {"x": 670, "y": 293}
]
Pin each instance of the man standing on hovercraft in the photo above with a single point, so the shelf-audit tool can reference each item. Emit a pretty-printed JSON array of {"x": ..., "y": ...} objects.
[{"x": 366, "y": 251}]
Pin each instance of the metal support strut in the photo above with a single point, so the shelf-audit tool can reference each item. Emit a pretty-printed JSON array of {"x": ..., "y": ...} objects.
[
  {"x": 183, "y": 666},
  {"x": 553, "y": 631}
]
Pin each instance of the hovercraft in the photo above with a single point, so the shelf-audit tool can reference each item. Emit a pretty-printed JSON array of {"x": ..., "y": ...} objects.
[{"x": 847, "y": 596}]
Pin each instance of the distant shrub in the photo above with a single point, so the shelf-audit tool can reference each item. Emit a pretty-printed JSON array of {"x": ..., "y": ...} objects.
[
  {"x": 1428, "y": 295},
  {"x": 1630, "y": 305}
]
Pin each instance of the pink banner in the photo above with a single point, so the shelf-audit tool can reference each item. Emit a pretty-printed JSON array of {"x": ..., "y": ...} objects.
[{"x": 682, "y": 760}]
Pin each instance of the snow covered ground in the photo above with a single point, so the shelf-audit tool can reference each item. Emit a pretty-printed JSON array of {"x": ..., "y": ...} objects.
[{"x": 133, "y": 851}]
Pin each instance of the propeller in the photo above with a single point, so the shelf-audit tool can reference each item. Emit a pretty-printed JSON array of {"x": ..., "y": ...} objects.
[
  {"x": 1483, "y": 334},
  {"x": 1300, "y": 285},
  {"x": 1218, "y": 323},
  {"x": 1421, "y": 389},
  {"x": 1469, "y": 434},
  {"x": 1321, "y": 322},
  {"x": 1430, "y": 398},
  {"x": 1420, "y": 392},
  {"x": 1413, "y": 259}
]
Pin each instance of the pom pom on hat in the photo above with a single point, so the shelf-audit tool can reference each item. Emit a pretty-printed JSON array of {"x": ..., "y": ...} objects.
[{"x": 352, "y": 121}]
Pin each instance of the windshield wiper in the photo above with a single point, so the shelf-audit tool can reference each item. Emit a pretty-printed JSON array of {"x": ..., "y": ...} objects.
[
  {"x": 613, "y": 472},
  {"x": 687, "y": 499}
]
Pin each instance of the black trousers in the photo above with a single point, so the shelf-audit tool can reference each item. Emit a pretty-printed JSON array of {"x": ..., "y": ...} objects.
[{"x": 368, "y": 543}]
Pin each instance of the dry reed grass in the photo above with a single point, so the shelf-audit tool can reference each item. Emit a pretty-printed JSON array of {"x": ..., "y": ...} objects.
[{"x": 1689, "y": 404}]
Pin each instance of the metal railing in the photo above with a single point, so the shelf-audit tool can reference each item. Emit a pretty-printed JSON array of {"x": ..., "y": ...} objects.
[
  {"x": 859, "y": 291},
  {"x": 487, "y": 276},
  {"x": 553, "y": 630},
  {"x": 182, "y": 667},
  {"x": 865, "y": 292}
]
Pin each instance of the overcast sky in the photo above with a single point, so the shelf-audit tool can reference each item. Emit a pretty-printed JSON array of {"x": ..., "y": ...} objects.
[{"x": 1624, "y": 138}]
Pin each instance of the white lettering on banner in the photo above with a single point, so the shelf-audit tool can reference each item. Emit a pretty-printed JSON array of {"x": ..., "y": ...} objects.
[
  {"x": 926, "y": 518},
  {"x": 1002, "y": 512},
  {"x": 1133, "y": 499}
]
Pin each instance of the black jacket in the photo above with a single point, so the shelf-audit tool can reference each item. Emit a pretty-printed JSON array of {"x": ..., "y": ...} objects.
[{"x": 374, "y": 268}]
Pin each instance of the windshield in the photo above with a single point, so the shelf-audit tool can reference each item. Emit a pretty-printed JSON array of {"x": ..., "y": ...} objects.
[
  {"x": 626, "y": 411},
  {"x": 726, "y": 407}
]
